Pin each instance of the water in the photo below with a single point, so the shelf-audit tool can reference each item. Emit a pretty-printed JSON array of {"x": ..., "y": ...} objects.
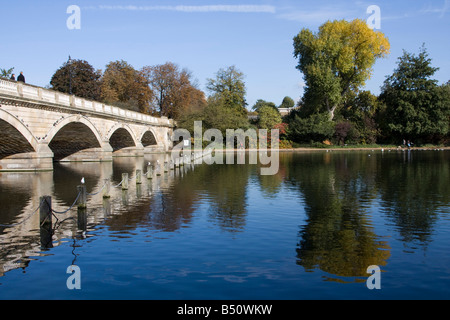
[{"x": 226, "y": 232}]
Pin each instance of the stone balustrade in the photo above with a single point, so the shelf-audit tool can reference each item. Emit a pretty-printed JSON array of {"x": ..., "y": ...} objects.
[
  {"x": 40, "y": 126},
  {"x": 52, "y": 97}
]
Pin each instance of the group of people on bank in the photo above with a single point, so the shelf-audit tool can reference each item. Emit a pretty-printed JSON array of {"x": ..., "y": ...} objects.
[
  {"x": 20, "y": 78},
  {"x": 408, "y": 144}
]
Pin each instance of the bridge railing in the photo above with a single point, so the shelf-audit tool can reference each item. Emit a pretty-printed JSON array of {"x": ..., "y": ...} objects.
[{"x": 42, "y": 95}]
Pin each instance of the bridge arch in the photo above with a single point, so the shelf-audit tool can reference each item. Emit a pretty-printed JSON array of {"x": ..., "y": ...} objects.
[
  {"x": 72, "y": 119},
  {"x": 148, "y": 138},
  {"x": 71, "y": 135},
  {"x": 16, "y": 137},
  {"x": 121, "y": 136}
]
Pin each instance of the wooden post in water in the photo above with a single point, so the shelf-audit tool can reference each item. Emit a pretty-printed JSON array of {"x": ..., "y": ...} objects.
[
  {"x": 124, "y": 181},
  {"x": 125, "y": 197},
  {"x": 107, "y": 189},
  {"x": 166, "y": 166},
  {"x": 138, "y": 177},
  {"x": 106, "y": 207},
  {"x": 158, "y": 169},
  {"x": 82, "y": 218},
  {"x": 45, "y": 221},
  {"x": 45, "y": 210},
  {"x": 149, "y": 171},
  {"x": 82, "y": 199},
  {"x": 138, "y": 191}
]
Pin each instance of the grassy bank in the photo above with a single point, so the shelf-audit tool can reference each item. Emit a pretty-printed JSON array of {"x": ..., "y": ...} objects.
[{"x": 304, "y": 148}]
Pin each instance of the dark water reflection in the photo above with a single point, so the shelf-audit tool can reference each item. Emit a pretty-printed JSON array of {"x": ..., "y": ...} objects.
[{"x": 225, "y": 231}]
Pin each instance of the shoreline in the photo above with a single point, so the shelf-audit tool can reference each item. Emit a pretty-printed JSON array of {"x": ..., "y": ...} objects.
[{"x": 308, "y": 149}]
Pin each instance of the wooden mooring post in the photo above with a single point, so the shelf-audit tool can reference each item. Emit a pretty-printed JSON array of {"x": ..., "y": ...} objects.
[
  {"x": 158, "y": 169},
  {"x": 138, "y": 177},
  {"x": 82, "y": 198},
  {"x": 124, "y": 181},
  {"x": 107, "y": 189},
  {"x": 82, "y": 218},
  {"x": 149, "y": 171},
  {"x": 166, "y": 166},
  {"x": 45, "y": 222}
]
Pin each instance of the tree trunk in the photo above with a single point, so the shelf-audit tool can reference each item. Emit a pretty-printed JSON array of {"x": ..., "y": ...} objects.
[{"x": 331, "y": 112}]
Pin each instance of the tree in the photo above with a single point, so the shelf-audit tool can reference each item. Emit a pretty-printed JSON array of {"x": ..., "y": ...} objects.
[
  {"x": 77, "y": 77},
  {"x": 287, "y": 103},
  {"x": 268, "y": 117},
  {"x": 220, "y": 116},
  {"x": 417, "y": 108},
  {"x": 341, "y": 131},
  {"x": 174, "y": 91},
  {"x": 262, "y": 103},
  {"x": 362, "y": 111},
  {"x": 316, "y": 127},
  {"x": 124, "y": 86},
  {"x": 229, "y": 87},
  {"x": 215, "y": 115},
  {"x": 337, "y": 59},
  {"x": 6, "y": 73}
]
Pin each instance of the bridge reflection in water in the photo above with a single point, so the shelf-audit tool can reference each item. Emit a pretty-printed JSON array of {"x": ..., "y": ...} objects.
[{"x": 21, "y": 194}]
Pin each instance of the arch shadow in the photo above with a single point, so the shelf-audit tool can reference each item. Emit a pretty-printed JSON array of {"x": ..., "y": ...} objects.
[
  {"x": 16, "y": 138},
  {"x": 121, "y": 137},
  {"x": 72, "y": 135},
  {"x": 149, "y": 139}
]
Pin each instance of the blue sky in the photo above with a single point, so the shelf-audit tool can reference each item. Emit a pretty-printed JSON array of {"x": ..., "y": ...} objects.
[{"x": 204, "y": 36}]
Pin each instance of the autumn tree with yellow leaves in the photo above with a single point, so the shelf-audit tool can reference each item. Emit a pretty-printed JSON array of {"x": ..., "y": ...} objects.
[{"x": 335, "y": 60}]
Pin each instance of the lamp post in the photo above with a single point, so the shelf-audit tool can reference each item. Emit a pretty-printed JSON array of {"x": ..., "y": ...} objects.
[{"x": 69, "y": 62}]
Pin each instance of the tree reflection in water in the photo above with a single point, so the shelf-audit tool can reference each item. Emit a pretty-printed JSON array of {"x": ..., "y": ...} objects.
[
  {"x": 343, "y": 193},
  {"x": 338, "y": 237},
  {"x": 339, "y": 189}
]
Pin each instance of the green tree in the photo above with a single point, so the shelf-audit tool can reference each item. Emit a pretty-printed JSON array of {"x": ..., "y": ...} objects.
[
  {"x": 287, "y": 102},
  {"x": 316, "y": 127},
  {"x": 362, "y": 111},
  {"x": 229, "y": 87},
  {"x": 268, "y": 117},
  {"x": 215, "y": 115},
  {"x": 187, "y": 119},
  {"x": 336, "y": 60},
  {"x": 417, "y": 108},
  {"x": 263, "y": 103},
  {"x": 125, "y": 87},
  {"x": 77, "y": 77},
  {"x": 219, "y": 115},
  {"x": 6, "y": 73}
]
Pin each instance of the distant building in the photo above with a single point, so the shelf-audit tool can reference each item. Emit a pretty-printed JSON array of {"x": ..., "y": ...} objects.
[
  {"x": 253, "y": 116},
  {"x": 285, "y": 111}
]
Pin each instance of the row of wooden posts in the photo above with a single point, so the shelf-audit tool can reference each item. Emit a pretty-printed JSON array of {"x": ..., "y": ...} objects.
[{"x": 46, "y": 212}]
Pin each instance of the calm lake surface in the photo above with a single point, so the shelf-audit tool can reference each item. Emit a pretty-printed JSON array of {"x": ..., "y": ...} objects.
[{"x": 227, "y": 232}]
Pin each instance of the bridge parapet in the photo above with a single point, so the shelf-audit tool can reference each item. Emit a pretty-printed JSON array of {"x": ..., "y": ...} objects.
[
  {"x": 39, "y": 95},
  {"x": 40, "y": 126}
]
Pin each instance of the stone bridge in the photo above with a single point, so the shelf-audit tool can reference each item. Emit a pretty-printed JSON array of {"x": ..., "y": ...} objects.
[{"x": 39, "y": 126}]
